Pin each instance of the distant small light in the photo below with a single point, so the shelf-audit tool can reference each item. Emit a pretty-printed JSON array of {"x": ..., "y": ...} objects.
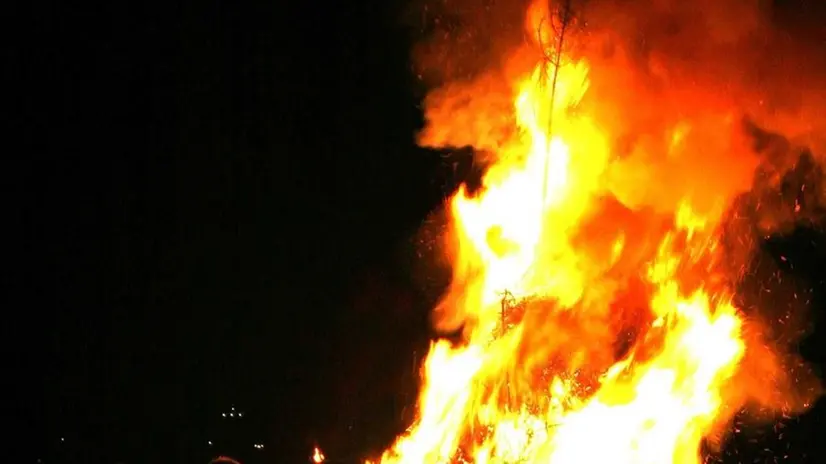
[
  {"x": 318, "y": 456},
  {"x": 233, "y": 408},
  {"x": 240, "y": 414},
  {"x": 231, "y": 414},
  {"x": 223, "y": 414},
  {"x": 62, "y": 439},
  {"x": 209, "y": 442}
]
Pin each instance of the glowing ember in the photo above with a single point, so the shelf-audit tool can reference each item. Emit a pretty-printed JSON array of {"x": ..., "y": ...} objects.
[{"x": 596, "y": 324}]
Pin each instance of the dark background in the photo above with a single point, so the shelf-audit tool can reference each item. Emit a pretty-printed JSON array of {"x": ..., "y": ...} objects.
[
  {"x": 206, "y": 188},
  {"x": 214, "y": 207}
]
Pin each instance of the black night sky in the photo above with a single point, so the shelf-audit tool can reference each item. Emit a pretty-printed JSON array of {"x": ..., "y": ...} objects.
[{"x": 214, "y": 207}]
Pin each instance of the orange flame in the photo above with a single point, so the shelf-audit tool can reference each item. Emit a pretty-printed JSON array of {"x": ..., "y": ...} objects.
[
  {"x": 591, "y": 306},
  {"x": 318, "y": 456}
]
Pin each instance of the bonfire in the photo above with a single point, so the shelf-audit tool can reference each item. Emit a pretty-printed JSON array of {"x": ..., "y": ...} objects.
[{"x": 592, "y": 280}]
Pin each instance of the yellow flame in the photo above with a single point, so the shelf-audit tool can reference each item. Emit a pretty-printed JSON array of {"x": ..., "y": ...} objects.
[{"x": 318, "y": 456}]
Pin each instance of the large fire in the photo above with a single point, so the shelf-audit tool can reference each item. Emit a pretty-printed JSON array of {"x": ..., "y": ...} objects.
[{"x": 596, "y": 323}]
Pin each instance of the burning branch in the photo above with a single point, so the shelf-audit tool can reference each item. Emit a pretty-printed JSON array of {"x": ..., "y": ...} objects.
[
  {"x": 560, "y": 23},
  {"x": 508, "y": 301}
]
